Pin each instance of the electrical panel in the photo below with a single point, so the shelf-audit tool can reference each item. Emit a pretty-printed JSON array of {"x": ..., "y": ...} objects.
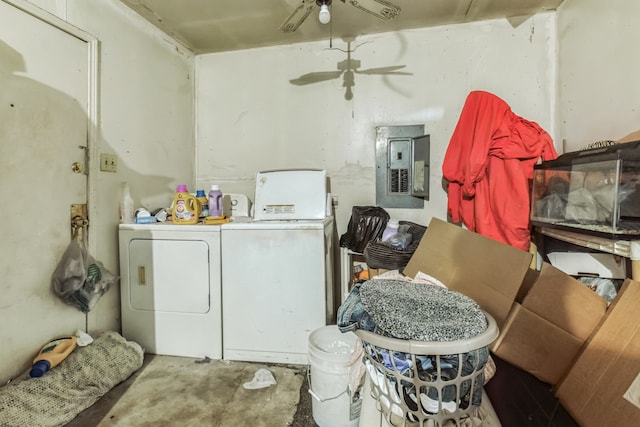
[{"x": 402, "y": 166}]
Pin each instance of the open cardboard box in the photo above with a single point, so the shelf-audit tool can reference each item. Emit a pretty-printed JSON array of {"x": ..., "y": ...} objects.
[
  {"x": 602, "y": 388},
  {"x": 545, "y": 317}
]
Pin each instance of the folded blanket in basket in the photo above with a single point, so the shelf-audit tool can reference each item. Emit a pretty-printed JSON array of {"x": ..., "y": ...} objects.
[
  {"x": 411, "y": 311},
  {"x": 74, "y": 385}
]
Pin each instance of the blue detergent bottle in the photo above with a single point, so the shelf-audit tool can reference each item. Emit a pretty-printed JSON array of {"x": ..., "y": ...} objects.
[{"x": 203, "y": 204}]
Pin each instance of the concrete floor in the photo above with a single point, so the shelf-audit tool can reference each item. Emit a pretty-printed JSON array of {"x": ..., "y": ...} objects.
[{"x": 176, "y": 391}]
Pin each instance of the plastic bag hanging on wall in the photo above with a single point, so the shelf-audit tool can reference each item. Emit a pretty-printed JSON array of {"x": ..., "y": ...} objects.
[{"x": 79, "y": 279}]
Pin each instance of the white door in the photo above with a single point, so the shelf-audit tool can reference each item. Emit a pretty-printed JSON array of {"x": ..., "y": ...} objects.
[
  {"x": 170, "y": 288},
  {"x": 169, "y": 276},
  {"x": 43, "y": 131}
]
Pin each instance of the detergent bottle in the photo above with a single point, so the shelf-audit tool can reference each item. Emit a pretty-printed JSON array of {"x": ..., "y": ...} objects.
[
  {"x": 390, "y": 230},
  {"x": 52, "y": 354},
  {"x": 185, "y": 207},
  {"x": 203, "y": 204},
  {"x": 215, "y": 201}
]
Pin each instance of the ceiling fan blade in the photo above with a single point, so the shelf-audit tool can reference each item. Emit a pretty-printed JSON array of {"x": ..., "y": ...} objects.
[
  {"x": 380, "y": 8},
  {"x": 298, "y": 16},
  {"x": 316, "y": 77},
  {"x": 383, "y": 70}
]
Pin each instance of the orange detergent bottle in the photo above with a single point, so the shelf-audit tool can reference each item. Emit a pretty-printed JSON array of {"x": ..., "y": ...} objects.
[
  {"x": 185, "y": 207},
  {"x": 52, "y": 354}
]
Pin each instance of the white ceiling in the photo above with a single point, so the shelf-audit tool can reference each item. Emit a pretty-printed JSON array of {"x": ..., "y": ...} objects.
[{"x": 207, "y": 26}]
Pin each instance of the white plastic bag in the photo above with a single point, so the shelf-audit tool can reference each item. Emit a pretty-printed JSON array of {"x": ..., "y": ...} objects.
[
  {"x": 262, "y": 378},
  {"x": 79, "y": 279}
]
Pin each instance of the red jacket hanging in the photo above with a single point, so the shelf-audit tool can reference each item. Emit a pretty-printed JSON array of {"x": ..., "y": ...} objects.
[{"x": 489, "y": 164}]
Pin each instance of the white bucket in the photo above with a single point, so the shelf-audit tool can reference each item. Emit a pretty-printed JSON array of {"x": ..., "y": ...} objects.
[{"x": 329, "y": 354}]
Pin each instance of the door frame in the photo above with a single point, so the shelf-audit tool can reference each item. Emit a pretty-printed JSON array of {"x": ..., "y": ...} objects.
[{"x": 92, "y": 162}]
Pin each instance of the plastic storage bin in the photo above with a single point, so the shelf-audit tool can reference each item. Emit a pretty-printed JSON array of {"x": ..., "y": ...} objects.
[
  {"x": 419, "y": 383},
  {"x": 596, "y": 191}
]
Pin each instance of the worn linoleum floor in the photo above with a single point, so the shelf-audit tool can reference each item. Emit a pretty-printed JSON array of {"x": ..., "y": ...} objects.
[{"x": 176, "y": 391}]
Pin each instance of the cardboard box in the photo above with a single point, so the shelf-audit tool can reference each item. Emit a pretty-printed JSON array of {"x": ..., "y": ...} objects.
[
  {"x": 536, "y": 345},
  {"x": 544, "y": 317},
  {"x": 376, "y": 271},
  {"x": 550, "y": 324},
  {"x": 601, "y": 389},
  {"x": 565, "y": 302},
  {"x": 633, "y": 136},
  {"x": 485, "y": 270},
  {"x": 544, "y": 334}
]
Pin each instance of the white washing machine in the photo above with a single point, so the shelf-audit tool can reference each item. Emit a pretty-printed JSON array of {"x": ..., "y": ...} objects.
[
  {"x": 171, "y": 288},
  {"x": 277, "y": 288},
  {"x": 277, "y": 269}
]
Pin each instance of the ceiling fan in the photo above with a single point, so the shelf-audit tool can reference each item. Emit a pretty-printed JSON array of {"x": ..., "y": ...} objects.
[
  {"x": 379, "y": 8},
  {"x": 347, "y": 68}
]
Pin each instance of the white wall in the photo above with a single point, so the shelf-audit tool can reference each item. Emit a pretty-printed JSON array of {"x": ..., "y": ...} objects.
[
  {"x": 250, "y": 118},
  {"x": 145, "y": 117},
  {"x": 599, "y": 65}
]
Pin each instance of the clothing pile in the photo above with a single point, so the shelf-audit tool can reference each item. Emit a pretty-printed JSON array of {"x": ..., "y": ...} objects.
[{"x": 488, "y": 166}]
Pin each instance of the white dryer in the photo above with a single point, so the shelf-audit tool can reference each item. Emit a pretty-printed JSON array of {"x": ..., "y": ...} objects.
[{"x": 170, "y": 288}]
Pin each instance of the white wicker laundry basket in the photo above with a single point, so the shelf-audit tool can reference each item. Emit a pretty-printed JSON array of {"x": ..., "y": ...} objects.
[{"x": 445, "y": 393}]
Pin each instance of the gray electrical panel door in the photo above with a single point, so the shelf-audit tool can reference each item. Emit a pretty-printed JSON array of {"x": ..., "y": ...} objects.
[{"x": 420, "y": 174}]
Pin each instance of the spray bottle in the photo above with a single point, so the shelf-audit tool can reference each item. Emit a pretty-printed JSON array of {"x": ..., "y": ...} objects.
[{"x": 126, "y": 205}]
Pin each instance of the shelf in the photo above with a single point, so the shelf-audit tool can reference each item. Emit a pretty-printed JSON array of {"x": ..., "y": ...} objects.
[
  {"x": 602, "y": 244},
  {"x": 347, "y": 259},
  {"x": 625, "y": 248}
]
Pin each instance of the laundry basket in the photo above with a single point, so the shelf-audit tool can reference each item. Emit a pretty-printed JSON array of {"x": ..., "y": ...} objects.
[
  {"x": 379, "y": 254},
  {"x": 426, "y": 383}
]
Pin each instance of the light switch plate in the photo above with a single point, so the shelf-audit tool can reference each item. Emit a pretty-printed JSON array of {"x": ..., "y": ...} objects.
[{"x": 108, "y": 162}]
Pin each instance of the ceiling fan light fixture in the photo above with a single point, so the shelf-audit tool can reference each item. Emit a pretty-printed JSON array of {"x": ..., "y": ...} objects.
[
  {"x": 324, "y": 16},
  {"x": 382, "y": 9}
]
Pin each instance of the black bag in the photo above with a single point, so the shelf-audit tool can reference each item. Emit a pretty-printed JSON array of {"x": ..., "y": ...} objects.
[{"x": 367, "y": 223}]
